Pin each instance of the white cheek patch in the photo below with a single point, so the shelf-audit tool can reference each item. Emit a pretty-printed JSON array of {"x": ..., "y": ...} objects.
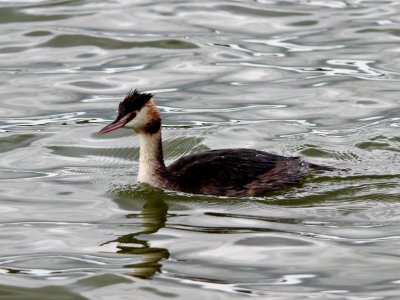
[{"x": 140, "y": 120}]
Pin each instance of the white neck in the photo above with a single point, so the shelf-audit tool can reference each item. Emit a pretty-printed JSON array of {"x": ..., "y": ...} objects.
[{"x": 151, "y": 164}]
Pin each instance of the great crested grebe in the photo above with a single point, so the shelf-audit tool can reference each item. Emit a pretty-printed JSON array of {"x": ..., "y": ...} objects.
[{"x": 223, "y": 172}]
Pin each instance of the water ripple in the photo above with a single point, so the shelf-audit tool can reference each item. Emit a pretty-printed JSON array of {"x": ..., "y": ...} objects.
[
  {"x": 309, "y": 78},
  {"x": 282, "y": 42},
  {"x": 361, "y": 70}
]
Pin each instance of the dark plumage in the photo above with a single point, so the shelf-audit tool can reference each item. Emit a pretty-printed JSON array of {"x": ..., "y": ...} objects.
[
  {"x": 132, "y": 102},
  {"x": 224, "y": 172},
  {"x": 236, "y": 172}
]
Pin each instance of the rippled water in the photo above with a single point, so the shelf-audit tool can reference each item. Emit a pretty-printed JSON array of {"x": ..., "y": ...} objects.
[{"x": 298, "y": 77}]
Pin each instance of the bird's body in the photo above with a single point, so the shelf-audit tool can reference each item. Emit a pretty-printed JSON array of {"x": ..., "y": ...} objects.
[
  {"x": 223, "y": 172},
  {"x": 236, "y": 172}
]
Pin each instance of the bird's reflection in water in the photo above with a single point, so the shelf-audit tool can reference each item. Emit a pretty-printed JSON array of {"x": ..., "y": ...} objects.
[{"x": 153, "y": 217}]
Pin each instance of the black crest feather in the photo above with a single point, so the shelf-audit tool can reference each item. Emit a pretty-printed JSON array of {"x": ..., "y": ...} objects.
[{"x": 133, "y": 101}]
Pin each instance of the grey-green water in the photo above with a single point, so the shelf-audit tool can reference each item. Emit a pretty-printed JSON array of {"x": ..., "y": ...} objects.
[{"x": 313, "y": 78}]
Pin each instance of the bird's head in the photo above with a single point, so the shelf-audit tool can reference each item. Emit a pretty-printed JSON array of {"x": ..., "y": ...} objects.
[{"x": 138, "y": 112}]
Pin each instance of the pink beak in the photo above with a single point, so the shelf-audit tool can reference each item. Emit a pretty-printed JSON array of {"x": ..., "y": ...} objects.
[{"x": 113, "y": 126}]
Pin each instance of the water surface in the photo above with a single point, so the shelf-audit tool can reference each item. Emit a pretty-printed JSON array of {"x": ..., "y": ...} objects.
[{"x": 312, "y": 78}]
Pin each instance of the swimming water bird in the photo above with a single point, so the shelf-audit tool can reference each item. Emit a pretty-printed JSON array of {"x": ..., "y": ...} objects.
[{"x": 223, "y": 172}]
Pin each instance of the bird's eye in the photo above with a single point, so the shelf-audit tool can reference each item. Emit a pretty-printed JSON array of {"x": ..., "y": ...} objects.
[{"x": 130, "y": 116}]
